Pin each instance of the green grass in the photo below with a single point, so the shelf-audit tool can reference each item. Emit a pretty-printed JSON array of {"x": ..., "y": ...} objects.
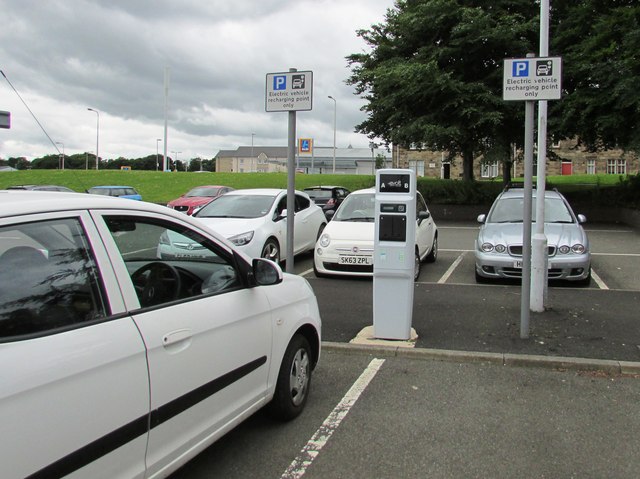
[{"x": 158, "y": 187}]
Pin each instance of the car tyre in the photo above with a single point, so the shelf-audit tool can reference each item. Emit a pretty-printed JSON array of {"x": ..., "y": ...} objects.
[
  {"x": 271, "y": 250},
  {"x": 294, "y": 380},
  {"x": 433, "y": 254},
  {"x": 417, "y": 266}
]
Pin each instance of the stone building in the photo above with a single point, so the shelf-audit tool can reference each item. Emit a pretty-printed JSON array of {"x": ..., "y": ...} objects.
[
  {"x": 269, "y": 159},
  {"x": 571, "y": 160}
]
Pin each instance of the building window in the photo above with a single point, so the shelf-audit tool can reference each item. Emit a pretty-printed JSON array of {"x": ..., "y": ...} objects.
[
  {"x": 617, "y": 167},
  {"x": 417, "y": 166},
  {"x": 591, "y": 166},
  {"x": 489, "y": 170}
]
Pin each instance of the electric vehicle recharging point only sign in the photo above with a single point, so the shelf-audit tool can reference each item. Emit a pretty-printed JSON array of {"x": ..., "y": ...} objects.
[{"x": 394, "y": 253}]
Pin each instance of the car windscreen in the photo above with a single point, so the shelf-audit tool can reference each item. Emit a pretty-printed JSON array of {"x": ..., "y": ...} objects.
[
  {"x": 237, "y": 206},
  {"x": 98, "y": 191},
  {"x": 356, "y": 208},
  {"x": 510, "y": 210},
  {"x": 319, "y": 194},
  {"x": 202, "y": 192}
]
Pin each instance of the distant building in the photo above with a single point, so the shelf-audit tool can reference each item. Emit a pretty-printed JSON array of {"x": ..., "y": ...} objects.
[
  {"x": 269, "y": 159},
  {"x": 572, "y": 161}
]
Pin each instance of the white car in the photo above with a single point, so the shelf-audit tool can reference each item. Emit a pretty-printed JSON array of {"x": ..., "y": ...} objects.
[
  {"x": 255, "y": 221},
  {"x": 345, "y": 247},
  {"x": 117, "y": 364}
]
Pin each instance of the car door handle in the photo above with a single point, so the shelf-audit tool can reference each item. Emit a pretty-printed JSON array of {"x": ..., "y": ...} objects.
[{"x": 180, "y": 336}]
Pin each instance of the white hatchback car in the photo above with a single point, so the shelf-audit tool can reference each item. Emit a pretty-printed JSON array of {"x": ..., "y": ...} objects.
[
  {"x": 255, "y": 221},
  {"x": 118, "y": 364},
  {"x": 345, "y": 247}
]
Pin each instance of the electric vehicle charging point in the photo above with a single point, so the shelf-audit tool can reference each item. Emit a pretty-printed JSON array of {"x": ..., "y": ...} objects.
[{"x": 394, "y": 253}]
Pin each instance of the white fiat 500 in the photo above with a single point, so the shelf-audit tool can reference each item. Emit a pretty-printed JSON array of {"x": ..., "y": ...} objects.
[
  {"x": 116, "y": 363},
  {"x": 345, "y": 247}
]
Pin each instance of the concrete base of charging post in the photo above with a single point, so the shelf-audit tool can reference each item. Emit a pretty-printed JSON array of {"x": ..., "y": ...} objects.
[{"x": 367, "y": 337}]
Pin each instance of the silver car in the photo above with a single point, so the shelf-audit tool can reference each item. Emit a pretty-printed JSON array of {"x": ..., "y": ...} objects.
[{"x": 498, "y": 248}]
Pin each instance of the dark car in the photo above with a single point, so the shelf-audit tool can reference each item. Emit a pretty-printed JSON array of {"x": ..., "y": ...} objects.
[
  {"x": 327, "y": 197},
  {"x": 120, "y": 191},
  {"x": 41, "y": 188}
]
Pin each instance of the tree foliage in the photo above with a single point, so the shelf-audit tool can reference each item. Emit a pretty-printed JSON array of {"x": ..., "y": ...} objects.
[
  {"x": 599, "y": 41},
  {"x": 433, "y": 74}
]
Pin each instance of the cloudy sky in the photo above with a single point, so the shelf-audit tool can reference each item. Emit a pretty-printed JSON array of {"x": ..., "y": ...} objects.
[{"x": 64, "y": 56}]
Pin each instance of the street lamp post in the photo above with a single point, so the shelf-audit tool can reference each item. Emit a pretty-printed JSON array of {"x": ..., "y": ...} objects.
[
  {"x": 373, "y": 146},
  {"x": 335, "y": 108},
  {"x": 158, "y": 140},
  {"x": 62, "y": 144},
  {"x": 97, "y": 134}
]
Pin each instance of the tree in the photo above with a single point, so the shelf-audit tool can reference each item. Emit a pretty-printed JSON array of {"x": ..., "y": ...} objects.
[
  {"x": 434, "y": 75},
  {"x": 599, "y": 41}
]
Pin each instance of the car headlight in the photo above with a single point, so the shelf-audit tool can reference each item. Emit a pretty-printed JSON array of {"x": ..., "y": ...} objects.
[
  {"x": 487, "y": 247},
  {"x": 564, "y": 249},
  {"x": 242, "y": 239},
  {"x": 578, "y": 248},
  {"x": 325, "y": 240},
  {"x": 500, "y": 248}
]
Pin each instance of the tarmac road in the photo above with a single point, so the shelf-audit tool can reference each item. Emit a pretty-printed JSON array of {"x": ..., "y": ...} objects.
[{"x": 471, "y": 399}]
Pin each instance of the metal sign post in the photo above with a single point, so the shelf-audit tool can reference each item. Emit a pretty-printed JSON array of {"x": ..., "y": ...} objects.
[
  {"x": 530, "y": 79},
  {"x": 290, "y": 91}
]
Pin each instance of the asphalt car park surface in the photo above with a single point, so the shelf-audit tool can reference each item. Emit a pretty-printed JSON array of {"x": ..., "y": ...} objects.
[{"x": 478, "y": 411}]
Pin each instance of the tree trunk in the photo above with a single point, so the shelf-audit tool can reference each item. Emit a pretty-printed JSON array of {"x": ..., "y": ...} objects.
[{"x": 467, "y": 164}]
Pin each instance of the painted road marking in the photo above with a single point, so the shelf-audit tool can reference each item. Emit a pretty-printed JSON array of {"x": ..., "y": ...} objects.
[
  {"x": 451, "y": 269},
  {"x": 309, "y": 452}
]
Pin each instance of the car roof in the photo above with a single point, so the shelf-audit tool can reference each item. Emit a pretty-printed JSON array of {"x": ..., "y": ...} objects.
[
  {"x": 111, "y": 186},
  {"x": 519, "y": 193},
  {"x": 259, "y": 191},
  {"x": 364, "y": 191},
  {"x": 24, "y": 202},
  {"x": 322, "y": 187}
]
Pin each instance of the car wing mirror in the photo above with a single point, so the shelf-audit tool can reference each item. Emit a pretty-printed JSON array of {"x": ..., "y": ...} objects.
[
  {"x": 423, "y": 215},
  {"x": 482, "y": 218},
  {"x": 582, "y": 219},
  {"x": 266, "y": 272}
]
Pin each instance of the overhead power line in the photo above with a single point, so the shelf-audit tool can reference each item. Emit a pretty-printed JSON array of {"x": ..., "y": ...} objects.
[{"x": 29, "y": 109}]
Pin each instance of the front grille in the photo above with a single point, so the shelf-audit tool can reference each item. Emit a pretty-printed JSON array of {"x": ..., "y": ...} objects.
[
  {"x": 517, "y": 273},
  {"x": 354, "y": 268},
  {"x": 516, "y": 250}
]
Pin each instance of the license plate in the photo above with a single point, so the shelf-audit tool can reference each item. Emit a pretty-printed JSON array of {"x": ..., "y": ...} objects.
[
  {"x": 517, "y": 264},
  {"x": 367, "y": 260}
]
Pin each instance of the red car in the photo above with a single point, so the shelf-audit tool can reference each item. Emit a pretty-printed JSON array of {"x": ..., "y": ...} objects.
[{"x": 197, "y": 197}]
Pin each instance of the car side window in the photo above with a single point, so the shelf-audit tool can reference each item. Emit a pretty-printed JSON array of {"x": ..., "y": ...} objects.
[
  {"x": 169, "y": 262},
  {"x": 302, "y": 203},
  {"x": 49, "y": 279},
  {"x": 420, "y": 204}
]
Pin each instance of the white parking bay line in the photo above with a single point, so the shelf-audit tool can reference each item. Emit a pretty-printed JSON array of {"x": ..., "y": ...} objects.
[
  {"x": 601, "y": 284},
  {"x": 309, "y": 452},
  {"x": 451, "y": 269}
]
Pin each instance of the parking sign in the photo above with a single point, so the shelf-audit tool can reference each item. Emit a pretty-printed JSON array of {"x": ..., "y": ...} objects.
[
  {"x": 532, "y": 79},
  {"x": 289, "y": 91}
]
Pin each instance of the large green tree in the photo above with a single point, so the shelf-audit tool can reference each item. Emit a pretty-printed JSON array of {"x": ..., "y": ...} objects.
[
  {"x": 433, "y": 74},
  {"x": 599, "y": 41}
]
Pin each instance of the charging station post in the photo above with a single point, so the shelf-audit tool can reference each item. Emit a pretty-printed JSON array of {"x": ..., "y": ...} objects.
[{"x": 394, "y": 253}]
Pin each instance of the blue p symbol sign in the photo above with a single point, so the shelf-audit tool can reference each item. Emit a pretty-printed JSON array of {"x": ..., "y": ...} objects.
[
  {"x": 520, "y": 69},
  {"x": 280, "y": 82}
]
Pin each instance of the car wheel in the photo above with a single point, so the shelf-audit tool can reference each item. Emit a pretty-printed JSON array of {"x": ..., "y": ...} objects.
[
  {"x": 433, "y": 254},
  {"x": 271, "y": 250},
  {"x": 294, "y": 380},
  {"x": 416, "y": 266}
]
